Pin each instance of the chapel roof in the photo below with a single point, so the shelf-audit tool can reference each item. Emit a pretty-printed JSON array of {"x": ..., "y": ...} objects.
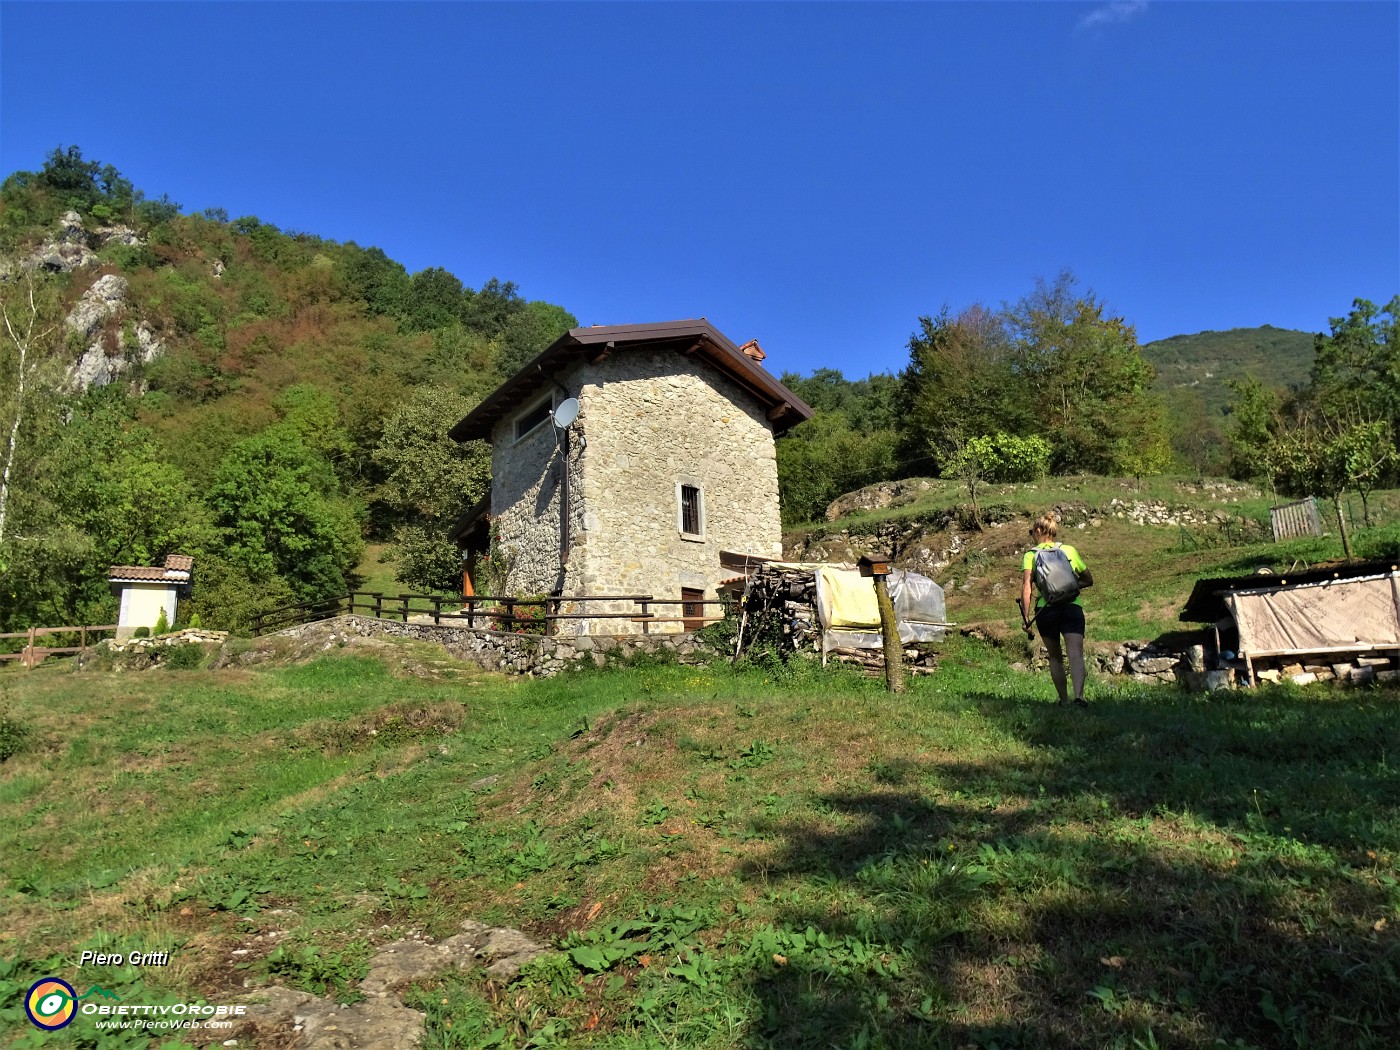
[{"x": 177, "y": 569}]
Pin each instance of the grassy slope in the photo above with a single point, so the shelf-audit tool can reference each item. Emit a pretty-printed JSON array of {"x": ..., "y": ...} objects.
[{"x": 726, "y": 858}]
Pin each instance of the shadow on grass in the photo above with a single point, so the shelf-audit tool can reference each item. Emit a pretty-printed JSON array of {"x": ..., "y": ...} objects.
[{"x": 1175, "y": 874}]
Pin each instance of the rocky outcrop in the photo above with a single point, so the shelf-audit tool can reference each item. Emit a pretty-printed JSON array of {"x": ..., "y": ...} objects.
[
  {"x": 105, "y": 298},
  {"x": 299, "y": 1019},
  {"x": 877, "y": 497},
  {"x": 71, "y": 247},
  {"x": 108, "y": 356}
]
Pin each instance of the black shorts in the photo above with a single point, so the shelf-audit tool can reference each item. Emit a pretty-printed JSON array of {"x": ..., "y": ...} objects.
[{"x": 1060, "y": 619}]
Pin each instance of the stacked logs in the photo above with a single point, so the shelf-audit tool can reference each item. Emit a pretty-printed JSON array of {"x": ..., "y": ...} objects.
[
  {"x": 779, "y": 610},
  {"x": 919, "y": 660}
]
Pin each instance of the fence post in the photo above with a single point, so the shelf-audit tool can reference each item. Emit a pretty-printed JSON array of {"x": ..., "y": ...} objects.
[
  {"x": 437, "y": 612},
  {"x": 28, "y": 659},
  {"x": 378, "y": 604},
  {"x": 471, "y": 611},
  {"x": 646, "y": 624},
  {"x": 510, "y": 613},
  {"x": 404, "y": 598}
]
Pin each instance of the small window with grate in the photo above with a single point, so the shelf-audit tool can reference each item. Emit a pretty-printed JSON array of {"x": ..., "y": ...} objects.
[
  {"x": 692, "y": 510},
  {"x": 528, "y": 421}
]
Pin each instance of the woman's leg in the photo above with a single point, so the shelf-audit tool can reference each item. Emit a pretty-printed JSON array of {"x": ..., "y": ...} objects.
[
  {"x": 1074, "y": 644},
  {"x": 1057, "y": 662}
]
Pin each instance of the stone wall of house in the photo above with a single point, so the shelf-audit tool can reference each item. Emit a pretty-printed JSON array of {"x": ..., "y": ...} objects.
[
  {"x": 525, "y": 497},
  {"x": 537, "y": 656},
  {"x": 651, "y": 420}
]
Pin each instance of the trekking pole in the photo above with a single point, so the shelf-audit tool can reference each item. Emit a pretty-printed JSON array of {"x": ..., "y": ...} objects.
[{"x": 1025, "y": 620}]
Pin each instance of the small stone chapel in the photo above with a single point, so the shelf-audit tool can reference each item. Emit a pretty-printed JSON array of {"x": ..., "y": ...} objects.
[{"x": 668, "y": 461}]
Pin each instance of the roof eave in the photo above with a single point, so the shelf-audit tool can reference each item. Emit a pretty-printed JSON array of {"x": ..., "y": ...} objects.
[{"x": 783, "y": 408}]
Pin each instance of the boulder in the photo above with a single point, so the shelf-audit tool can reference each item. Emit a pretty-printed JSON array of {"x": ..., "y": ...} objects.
[{"x": 1154, "y": 664}]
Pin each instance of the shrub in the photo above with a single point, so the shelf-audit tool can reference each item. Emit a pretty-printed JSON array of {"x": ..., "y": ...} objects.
[
  {"x": 141, "y": 632},
  {"x": 194, "y": 622},
  {"x": 188, "y": 656},
  {"x": 13, "y": 736},
  {"x": 162, "y": 624}
]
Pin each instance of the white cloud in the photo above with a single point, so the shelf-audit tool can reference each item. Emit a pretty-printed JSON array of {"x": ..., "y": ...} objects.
[{"x": 1113, "y": 13}]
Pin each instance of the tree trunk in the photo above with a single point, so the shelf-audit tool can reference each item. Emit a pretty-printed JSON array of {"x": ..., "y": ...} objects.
[
  {"x": 894, "y": 649},
  {"x": 1342, "y": 525},
  {"x": 22, "y": 349}
]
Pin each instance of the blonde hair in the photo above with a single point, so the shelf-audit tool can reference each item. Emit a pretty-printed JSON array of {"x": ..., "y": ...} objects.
[{"x": 1046, "y": 525}]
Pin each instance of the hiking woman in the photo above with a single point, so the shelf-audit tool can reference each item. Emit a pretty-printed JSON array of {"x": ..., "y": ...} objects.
[{"x": 1058, "y": 613}]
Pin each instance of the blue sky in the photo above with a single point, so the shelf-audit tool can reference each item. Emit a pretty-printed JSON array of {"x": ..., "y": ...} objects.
[{"x": 812, "y": 175}]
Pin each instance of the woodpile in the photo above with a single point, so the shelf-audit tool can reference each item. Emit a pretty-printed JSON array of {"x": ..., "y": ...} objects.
[
  {"x": 779, "y": 610},
  {"x": 916, "y": 661}
]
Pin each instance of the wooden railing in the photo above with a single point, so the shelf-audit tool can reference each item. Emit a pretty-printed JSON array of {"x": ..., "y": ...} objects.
[
  {"x": 32, "y": 655},
  {"x": 498, "y": 613}
]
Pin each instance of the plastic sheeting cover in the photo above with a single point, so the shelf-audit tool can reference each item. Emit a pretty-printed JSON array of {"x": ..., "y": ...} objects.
[
  {"x": 1315, "y": 618},
  {"x": 850, "y": 616}
]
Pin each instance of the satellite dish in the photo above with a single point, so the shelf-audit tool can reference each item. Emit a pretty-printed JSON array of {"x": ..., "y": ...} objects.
[{"x": 566, "y": 413}]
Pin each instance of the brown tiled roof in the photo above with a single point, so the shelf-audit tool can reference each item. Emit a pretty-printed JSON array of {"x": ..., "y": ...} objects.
[
  {"x": 136, "y": 572},
  {"x": 177, "y": 569},
  {"x": 753, "y": 350},
  {"x": 784, "y": 408}
]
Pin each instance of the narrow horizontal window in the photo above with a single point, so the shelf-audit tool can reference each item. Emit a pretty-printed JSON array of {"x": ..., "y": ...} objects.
[{"x": 531, "y": 419}]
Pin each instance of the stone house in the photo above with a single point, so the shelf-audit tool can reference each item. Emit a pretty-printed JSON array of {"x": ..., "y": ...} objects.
[{"x": 669, "y": 462}]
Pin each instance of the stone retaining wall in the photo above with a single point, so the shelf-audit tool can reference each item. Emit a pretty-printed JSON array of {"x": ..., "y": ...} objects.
[{"x": 528, "y": 654}]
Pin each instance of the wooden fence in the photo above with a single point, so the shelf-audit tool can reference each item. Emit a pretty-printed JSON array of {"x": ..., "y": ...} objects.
[
  {"x": 32, "y": 655},
  {"x": 1296, "y": 519},
  {"x": 497, "y": 613}
]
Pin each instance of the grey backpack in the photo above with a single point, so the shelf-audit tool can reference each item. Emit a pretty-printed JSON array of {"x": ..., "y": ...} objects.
[{"x": 1054, "y": 576}]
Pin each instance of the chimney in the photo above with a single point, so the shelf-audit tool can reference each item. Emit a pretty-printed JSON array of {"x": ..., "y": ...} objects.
[{"x": 751, "y": 349}]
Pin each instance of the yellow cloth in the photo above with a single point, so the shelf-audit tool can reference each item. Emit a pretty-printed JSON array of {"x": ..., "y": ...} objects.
[{"x": 852, "y": 598}]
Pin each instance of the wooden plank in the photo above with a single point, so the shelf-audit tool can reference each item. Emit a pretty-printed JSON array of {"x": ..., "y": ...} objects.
[{"x": 1354, "y": 647}]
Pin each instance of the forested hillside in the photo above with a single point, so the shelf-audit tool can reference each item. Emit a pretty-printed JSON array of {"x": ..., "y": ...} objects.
[
  {"x": 258, "y": 398},
  {"x": 1194, "y": 373},
  {"x": 1051, "y": 384}
]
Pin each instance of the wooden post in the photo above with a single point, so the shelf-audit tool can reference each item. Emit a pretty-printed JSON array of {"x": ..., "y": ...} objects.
[
  {"x": 510, "y": 613},
  {"x": 646, "y": 624},
  {"x": 894, "y": 649},
  {"x": 877, "y": 569},
  {"x": 404, "y": 598},
  {"x": 378, "y": 604},
  {"x": 28, "y": 659}
]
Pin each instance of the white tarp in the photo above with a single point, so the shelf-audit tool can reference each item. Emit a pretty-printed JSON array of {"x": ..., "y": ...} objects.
[
  {"x": 1314, "y": 618},
  {"x": 850, "y": 616}
]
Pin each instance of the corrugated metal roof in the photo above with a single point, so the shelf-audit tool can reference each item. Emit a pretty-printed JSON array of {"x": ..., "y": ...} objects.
[{"x": 785, "y": 409}]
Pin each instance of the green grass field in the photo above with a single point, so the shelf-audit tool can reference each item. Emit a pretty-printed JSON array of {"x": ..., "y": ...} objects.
[{"x": 762, "y": 857}]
